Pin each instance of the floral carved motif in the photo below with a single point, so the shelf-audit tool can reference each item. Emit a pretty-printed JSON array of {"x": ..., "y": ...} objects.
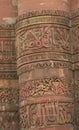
[
  {"x": 43, "y": 38},
  {"x": 53, "y": 86}
]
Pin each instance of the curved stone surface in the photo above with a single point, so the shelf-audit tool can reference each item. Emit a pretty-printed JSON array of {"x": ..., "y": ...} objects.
[
  {"x": 44, "y": 68},
  {"x": 46, "y": 95}
]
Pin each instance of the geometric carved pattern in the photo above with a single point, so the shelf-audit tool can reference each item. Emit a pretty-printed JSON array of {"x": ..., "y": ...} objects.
[
  {"x": 7, "y": 44},
  {"x": 9, "y": 95},
  {"x": 7, "y": 50},
  {"x": 7, "y": 53}
]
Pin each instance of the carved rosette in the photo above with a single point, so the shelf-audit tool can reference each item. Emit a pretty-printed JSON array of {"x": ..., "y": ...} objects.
[{"x": 43, "y": 45}]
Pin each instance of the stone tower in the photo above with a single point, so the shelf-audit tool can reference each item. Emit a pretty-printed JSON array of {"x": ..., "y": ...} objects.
[{"x": 39, "y": 64}]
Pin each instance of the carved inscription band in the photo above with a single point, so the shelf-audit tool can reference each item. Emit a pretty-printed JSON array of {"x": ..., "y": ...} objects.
[{"x": 44, "y": 64}]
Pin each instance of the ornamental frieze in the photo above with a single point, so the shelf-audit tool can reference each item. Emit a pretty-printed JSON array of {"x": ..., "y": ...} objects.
[
  {"x": 4, "y": 33},
  {"x": 43, "y": 38},
  {"x": 46, "y": 114},
  {"x": 44, "y": 56},
  {"x": 50, "y": 86},
  {"x": 43, "y": 65},
  {"x": 7, "y": 50},
  {"x": 9, "y": 95},
  {"x": 42, "y": 20},
  {"x": 8, "y": 75},
  {"x": 43, "y": 13}
]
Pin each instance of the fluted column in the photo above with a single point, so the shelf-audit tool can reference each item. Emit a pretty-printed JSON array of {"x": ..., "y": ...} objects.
[
  {"x": 75, "y": 43},
  {"x": 9, "y": 92},
  {"x": 44, "y": 65}
]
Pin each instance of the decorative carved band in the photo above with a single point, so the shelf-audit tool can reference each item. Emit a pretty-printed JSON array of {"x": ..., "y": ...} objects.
[
  {"x": 46, "y": 87},
  {"x": 39, "y": 57},
  {"x": 43, "y": 13},
  {"x": 9, "y": 95},
  {"x": 46, "y": 114},
  {"x": 71, "y": 16},
  {"x": 8, "y": 75},
  {"x": 51, "y": 64},
  {"x": 43, "y": 20},
  {"x": 7, "y": 52},
  {"x": 42, "y": 38}
]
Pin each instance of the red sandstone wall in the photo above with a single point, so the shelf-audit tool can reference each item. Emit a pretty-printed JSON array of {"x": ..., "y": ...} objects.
[
  {"x": 75, "y": 45},
  {"x": 9, "y": 91},
  {"x": 8, "y": 11},
  {"x": 26, "y": 6},
  {"x": 44, "y": 63},
  {"x": 74, "y": 5}
]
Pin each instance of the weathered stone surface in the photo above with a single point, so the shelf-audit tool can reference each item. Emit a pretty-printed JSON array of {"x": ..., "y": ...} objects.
[
  {"x": 43, "y": 39},
  {"x": 39, "y": 65}
]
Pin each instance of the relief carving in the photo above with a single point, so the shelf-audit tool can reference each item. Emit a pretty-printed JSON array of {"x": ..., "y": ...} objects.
[
  {"x": 7, "y": 50},
  {"x": 37, "y": 40},
  {"x": 31, "y": 41},
  {"x": 43, "y": 38},
  {"x": 9, "y": 120},
  {"x": 9, "y": 95},
  {"x": 75, "y": 34},
  {"x": 53, "y": 86},
  {"x": 43, "y": 56},
  {"x": 46, "y": 114},
  {"x": 43, "y": 65},
  {"x": 43, "y": 13}
]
